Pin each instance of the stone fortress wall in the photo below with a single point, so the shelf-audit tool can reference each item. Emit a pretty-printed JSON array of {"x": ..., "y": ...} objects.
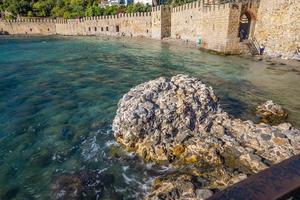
[
  {"x": 278, "y": 26},
  {"x": 136, "y": 24},
  {"x": 29, "y": 27},
  {"x": 203, "y": 20},
  {"x": 275, "y": 24}
]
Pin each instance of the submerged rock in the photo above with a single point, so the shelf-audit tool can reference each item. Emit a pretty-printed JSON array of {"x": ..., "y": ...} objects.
[
  {"x": 179, "y": 187},
  {"x": 271, "y": 113},
  {"x": 84, "y": 185},
  {"x": 66, "y": 187},
  {"x": 179, "y": 122}
]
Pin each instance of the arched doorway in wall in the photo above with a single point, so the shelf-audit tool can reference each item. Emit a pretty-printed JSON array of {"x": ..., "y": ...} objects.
[{"x": 245, "y": 25}]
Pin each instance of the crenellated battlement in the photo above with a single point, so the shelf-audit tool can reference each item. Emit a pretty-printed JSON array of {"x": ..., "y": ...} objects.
[
  {"x": 202, "y": 5},
  {"x": 106, "y": 17},
  {"x": 161, "y": 8},
  {"x": 31, "y": 20},
  {"x": 83, "y": 19},
  {"x": 213, "y": 5}
]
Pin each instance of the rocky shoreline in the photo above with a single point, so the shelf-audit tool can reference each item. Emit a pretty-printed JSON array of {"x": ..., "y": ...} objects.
[
  {"x": 179, "y": 122},
  {"x": 266, "y": 58}
]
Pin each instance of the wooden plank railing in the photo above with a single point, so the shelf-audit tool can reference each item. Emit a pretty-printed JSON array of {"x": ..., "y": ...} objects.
[{"x": 281, "y": 181}]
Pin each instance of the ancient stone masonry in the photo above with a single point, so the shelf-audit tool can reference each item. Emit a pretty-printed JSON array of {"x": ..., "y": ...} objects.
[
  {"x": 210, "y": 22},
  {"x": 133, "y": 25},
  {"x": 161, "y": 22},
  {"x": 221, "y": 26},
  {"x": 29, "y": 26},
  {"x": 278, "y": 27}
]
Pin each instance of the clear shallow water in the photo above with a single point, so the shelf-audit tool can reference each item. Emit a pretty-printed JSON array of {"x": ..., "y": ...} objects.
[{"x": 58, "y": 97}]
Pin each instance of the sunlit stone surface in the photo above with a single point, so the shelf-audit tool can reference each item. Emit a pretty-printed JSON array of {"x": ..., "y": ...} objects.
[{"x": 178, "y": 122}]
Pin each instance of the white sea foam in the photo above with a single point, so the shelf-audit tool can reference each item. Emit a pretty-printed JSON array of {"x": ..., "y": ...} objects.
[
  {"x": 110, "y": 142},
  {"x": 104, "y": 132},
  {"x": 127, "y": 179},
  {"x": 102, "y": 170},
  {"x": 90, "y": 149},
  {"x": 161, "y": 169},
  {"x": 125, "y": 168}
]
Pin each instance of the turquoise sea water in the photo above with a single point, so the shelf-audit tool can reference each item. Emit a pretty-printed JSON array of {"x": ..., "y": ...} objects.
[{"x": 58, "y": 97}]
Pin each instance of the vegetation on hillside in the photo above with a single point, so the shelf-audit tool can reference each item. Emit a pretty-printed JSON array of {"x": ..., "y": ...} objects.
[
  {"x": 78, "y": 8},
  {"x": 65, "y": 8}
]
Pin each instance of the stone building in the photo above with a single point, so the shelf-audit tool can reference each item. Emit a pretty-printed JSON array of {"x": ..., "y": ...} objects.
[{"x": 221, "y": 26}]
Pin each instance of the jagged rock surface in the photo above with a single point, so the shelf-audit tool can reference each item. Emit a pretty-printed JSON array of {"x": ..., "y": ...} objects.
[
  {"x": 178, "y": 121},
  {"x": 179, "y": 187},
  {"x": 271, "y": 113},
  {"x": 83, "y": 185}
]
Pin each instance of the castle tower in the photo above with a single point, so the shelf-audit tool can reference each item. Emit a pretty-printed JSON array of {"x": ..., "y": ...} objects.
[{"x": 161, "y": 22}]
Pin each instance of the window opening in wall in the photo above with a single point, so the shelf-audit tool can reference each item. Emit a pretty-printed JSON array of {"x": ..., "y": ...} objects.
[
  {"x": 107, "y": 28},
  {"x": 244, "y": 30},
  {"x": 89, "y": 28},
  {"x": 102, "y": 29},
  {"x": 147, "y": 31},
  {"x": 30, "y": 29},
  {"x": 48, "y": 29},
  {"x": 117, "y": 28},
  {"x": 95, "y": 28}
]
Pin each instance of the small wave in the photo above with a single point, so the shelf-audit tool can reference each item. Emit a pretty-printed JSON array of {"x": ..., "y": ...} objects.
[
  {"x": 161, "y": 169},
  {"x": 110, "y": 143},
  {"x": 127, "y": 179},
  {"x": 102, "y": 170},
  {"x": 90, "y": 149},
  {"x": 105, "y": 131},
  {"x": 125, "y": 168}
]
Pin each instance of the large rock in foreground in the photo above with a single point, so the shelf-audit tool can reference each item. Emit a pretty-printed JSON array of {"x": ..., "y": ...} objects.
[
  {"x": 162, "y": 113},
  {"x": 179, "y": 122}
]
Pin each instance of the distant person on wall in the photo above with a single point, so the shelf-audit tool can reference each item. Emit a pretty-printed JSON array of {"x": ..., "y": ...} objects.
[
  {"x": 261, "y": 49},
  {"x": 297, "y": 54},
  {"x": 242, "y": 34},
  {"x": 298, "y": 51},
  {"x": 199, "y": 41}
]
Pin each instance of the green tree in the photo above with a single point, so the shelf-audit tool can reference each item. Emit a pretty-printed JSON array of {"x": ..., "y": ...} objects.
[
  {"x": 111, "y": 10},
  {"x": 93, "y": 10},
  {"x": 30, "y": 14},
  {"x": 67, "y": 15},
  {"x": 67, "y": 8},
  {"x": 57, "y": 11}
]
